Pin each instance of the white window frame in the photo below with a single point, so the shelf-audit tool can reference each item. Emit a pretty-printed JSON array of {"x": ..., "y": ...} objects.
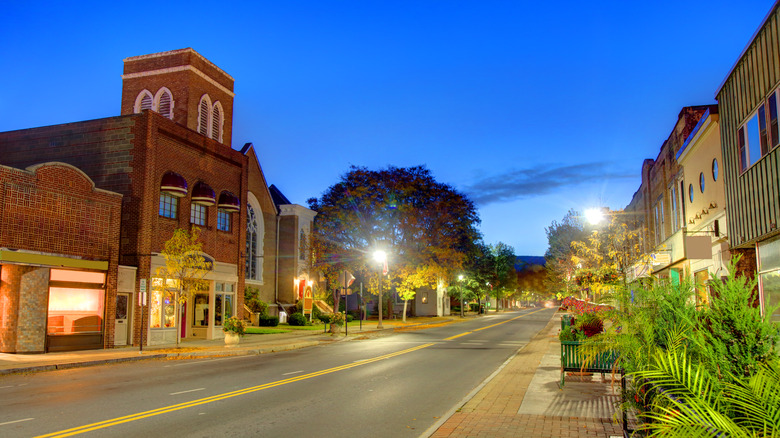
[
  {"x": 139, "y": 99},
  {"x": 156, "y": 105},
  {"x": 259, "y": 230}
]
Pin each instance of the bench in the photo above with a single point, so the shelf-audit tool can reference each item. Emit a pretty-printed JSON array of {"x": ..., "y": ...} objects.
[{"x": 572, "y": 360}]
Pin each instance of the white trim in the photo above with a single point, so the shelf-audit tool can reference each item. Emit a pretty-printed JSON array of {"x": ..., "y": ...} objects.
[
  {"x": 252, "y": 201},
  {"x": 156, "y": 102},
  {"x": 178, "y": 69},
  {"x": 173, "y": 52},
  {"x": 218, "y": 106},
  {"x": 139, "y": 99},
  {"x": 208, "y": 115}
]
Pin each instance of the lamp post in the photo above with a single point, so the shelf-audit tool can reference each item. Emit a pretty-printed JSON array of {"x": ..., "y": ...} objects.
[
  {"x": 460, "y": 279},
  {"x": 380, "y": 257}
]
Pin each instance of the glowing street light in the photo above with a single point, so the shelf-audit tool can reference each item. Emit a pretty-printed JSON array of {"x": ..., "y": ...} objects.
[
  {"x": 594, "y": 216},
  {"x": 381, "y": 258}
]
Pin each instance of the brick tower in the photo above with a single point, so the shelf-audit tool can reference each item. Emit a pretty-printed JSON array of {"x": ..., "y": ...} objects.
[{"x": 183, "y": 86}]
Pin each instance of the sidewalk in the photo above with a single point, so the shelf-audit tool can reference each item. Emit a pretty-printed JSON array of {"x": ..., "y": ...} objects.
[
  {"x": 194, "y": 348},
  {"x": 523, "y": 399}
]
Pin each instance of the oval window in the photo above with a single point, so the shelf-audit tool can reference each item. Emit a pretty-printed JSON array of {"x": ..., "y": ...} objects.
[
  {"x": 701, "y": 182},
  {"x": 690, "y": 191},
  {"x": 714, "y": 169}
]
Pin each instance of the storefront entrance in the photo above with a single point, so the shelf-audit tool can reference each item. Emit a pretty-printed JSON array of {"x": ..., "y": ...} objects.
[{"x": 122, "y": 325}]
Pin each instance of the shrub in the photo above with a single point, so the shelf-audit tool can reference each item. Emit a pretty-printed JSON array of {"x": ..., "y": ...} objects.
[
  {"x": 234, "y": 325},
  {"x": 297, "y": 319},
  {"x": 324, "y": 317},
  {"x": 570, "y": 333},
  {"x": 350, "y": 318},
  {"x": 590, "y": 324},
  {"x": 337, "y": 319},
  {"x": 267, "y": 321},
  {"x": 252, "y": 300}
]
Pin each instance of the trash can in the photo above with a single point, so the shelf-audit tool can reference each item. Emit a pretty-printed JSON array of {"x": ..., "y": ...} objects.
[{"x": 481, "y": 308}]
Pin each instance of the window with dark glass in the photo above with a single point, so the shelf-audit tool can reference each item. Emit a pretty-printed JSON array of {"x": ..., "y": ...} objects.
[
  {"x": 690, "y": 192},
  {"x": 168, "y": 205},
  {"x": 223, "y": 220},
  {"x": 198, "y": 214},
  {"x": 701, "y": 182}
]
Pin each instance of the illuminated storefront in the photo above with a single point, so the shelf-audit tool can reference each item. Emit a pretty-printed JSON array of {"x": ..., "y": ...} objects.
[{"x": 76, "y": 310}]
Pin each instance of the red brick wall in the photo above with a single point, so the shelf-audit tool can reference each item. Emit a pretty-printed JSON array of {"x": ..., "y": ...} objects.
[
  {"x": 54, "y": 208},
  {"x": 186, "y": 86}
]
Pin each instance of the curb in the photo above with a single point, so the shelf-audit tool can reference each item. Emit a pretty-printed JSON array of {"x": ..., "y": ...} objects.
[{"x": 205, "y": 354}]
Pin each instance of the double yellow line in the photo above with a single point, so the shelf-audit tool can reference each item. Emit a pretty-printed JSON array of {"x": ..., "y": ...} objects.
[
  {"x": 492, "y": 325},
  {"x": 202, "y": 401}
]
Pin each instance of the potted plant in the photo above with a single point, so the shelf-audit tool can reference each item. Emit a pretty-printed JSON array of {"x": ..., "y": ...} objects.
[
  {"x": 336, "y": 321},
  {"x": 233, "y": 328}
]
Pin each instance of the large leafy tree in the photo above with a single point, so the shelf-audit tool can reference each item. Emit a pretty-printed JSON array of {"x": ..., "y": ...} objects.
[
  {"x": 561, "y": 268},
  {"x": 426, "y": 227},
  {"x": 504, "y": 282}
]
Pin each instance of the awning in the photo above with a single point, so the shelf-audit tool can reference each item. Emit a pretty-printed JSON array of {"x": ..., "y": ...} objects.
[
  {"x": 27, "y": 258},
  {"x": 229, "y": 202},
  {"x": 203, "y": 194},
  {"x": 174, "y": 184}
]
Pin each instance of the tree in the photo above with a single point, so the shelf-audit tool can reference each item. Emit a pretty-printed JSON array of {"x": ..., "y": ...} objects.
[
  {"x": 424, "y": 226},
  {"x": 604, "y": 260},
  {"x": 504, "y": 282},
  {"x": 560, "y": 265},
  {"x": 185, "y": 267}
]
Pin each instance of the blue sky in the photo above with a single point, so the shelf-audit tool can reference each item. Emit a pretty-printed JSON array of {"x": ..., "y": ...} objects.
[{"x": 531, "y": 108}]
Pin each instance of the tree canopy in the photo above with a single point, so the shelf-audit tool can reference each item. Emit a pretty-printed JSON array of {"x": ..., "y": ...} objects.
[{"x": 425, "y": 227}]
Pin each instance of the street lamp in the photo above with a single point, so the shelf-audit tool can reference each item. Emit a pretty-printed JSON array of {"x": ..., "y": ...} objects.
[
  {"x": 380, "y": 257},
  {"x": 594, "y": 216},
  {"x": 460, "y": 279}
]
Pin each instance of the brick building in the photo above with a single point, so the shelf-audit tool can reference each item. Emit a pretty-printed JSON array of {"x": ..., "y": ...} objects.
[
  {"x": 169, "y": 155},
  {"x": 58, "y": 260}
]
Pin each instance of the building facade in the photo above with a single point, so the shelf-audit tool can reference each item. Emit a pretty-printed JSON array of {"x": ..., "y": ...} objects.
[
  {"x": 58, "y": 260},
  {"x": 748, "y": 100},
  {"x": 169, "y": 156}
]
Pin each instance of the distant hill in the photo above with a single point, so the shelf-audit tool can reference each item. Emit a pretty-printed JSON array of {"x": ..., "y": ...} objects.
[{"x": 521, "y": 262}]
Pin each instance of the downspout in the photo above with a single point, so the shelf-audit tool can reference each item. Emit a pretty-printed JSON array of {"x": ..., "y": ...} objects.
[{"x": 276, "y": 270}]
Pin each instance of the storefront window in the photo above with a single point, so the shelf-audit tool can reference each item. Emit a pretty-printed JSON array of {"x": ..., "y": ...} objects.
[
  {"x": 224, "y": 300},
  {"x": 76, "y": 302},
  {"x": 702, "y": 293},
  {"x": 163, "y": 307},
  {"x": 769, "y": 275},
  {"x": 200, "y": 317}
]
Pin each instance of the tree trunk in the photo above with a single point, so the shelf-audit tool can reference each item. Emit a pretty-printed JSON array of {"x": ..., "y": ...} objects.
[{"x": 404, "y": 318}]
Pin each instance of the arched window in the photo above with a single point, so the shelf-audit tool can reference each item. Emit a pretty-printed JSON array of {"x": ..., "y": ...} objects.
[
  {"x": 163, "y": 103},
  {"x": 204, "y": 113},
  {"x": 255, "y": 233},
  {"x": 143, "y": 101},
  {"x": 216, "y": 122}
]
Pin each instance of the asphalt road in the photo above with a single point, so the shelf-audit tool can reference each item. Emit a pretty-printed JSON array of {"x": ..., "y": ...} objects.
[{"x": 390, "y": 386}]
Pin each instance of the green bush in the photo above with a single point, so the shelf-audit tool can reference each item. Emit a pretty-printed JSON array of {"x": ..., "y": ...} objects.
[
  {"x": 474, "y": 307},
  {"x": 350, "y": 318},
  {"x": 570, "y": 333},
  {"x": 297, "y": 319},
  {"x": 324, "y": 317},
  {"x": 267, "y": 321},
  {"x": 253, "y": 301}
]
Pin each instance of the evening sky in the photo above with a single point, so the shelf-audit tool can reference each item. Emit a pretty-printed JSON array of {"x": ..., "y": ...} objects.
[{"x": 531, "y": 108}]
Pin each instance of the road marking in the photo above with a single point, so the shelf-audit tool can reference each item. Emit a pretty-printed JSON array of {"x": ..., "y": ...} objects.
[
  {"x": 457, "y": 336},
  {"x": 294, "y": 372},
  {"x": 189, "y": 390},
  {"x": 213, "y": 398},
  {"x": 508, "y": 320},
  {"x": 471, "y": 343},
  {"x": 16, "y": 421}
]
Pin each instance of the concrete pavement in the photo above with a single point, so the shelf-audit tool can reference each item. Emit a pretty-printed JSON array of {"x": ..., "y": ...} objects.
[{"x": 522, "y": 399}]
